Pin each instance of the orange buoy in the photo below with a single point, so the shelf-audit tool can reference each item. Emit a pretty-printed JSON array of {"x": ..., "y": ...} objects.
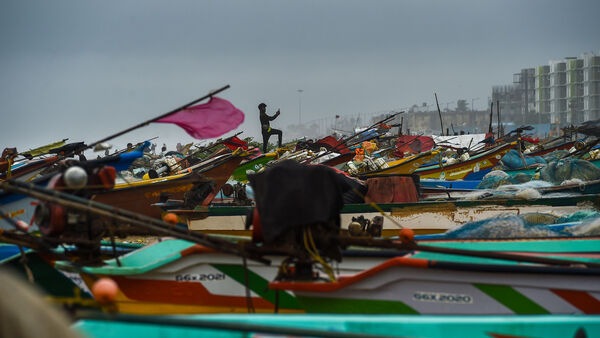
[
  {"x": 407, "y": 235},
  {"x": 171, "y": 218},
  {"x": 105, "y": 290}
]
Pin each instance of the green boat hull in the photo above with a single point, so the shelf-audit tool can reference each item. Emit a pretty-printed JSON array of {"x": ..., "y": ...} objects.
[{"x": 342, "y": 326}]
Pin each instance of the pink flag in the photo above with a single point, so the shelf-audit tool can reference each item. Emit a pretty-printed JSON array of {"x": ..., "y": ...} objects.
[{"x": 208, "y": 120}]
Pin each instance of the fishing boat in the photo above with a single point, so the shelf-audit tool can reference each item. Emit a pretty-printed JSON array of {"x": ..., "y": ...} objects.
[
  {"x": 445, "y": 277},
  {"x": 455, "y": 189},
  {"x": 582, "y": 187},
  {"x": 192, "y": 186},
  {"x": 253, "y": 164},
  {"x": 424, "y": 217},
  {"x": 473, "y": 168},
  {"x": 403, "y": 166},
  {"x": 27, "y": 170},
  {"x": 176, "y": 277},
  {"x": 451, "y": 285}
]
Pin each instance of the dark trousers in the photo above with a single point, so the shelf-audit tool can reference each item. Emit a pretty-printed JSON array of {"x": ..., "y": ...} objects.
[{"x": 267, "y": 134}]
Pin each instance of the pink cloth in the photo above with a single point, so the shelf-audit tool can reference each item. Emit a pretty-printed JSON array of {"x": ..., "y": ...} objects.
[{"x": 208, "y": 120}]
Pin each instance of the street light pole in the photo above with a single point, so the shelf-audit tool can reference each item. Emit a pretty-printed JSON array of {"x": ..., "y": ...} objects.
[{"x": 300, "y": 106}]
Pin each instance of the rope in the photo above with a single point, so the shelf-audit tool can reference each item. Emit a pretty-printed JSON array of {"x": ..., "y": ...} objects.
[{"x": 310, "y": 246}]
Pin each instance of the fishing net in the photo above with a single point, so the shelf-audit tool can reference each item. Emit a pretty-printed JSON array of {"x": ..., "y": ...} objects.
[
  {"x": 498, "y": 178},
  {"x": 555, "y": 155},
  {"x": 579, "y": 216},
  {"x": 569, "y": 168},
  {"x": 494, "y": 179},
  {"x": 504, "y": 226},
  {"x": 514, "y": 160}
]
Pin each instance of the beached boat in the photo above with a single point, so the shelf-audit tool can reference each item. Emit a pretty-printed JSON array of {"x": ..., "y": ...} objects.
[
  {"x": 27, "y": 170},
  {"x": 403, "y": 166},
  {"x": 453, "y": 285},
  {"x": 424, "y": 217},
  {"x": 193, "y": 186},
  {"x": 252, "y": 165},
  {"x": 473, "y": 168},
  {"x": 175, "y": 276}
]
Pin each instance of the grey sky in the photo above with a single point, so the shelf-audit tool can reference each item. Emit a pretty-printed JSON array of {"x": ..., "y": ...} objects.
[{"x": 84, "y": 70}]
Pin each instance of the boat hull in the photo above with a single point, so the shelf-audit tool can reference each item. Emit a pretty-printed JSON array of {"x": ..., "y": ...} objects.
[
  {"x": 474, "y": 168},
  {"x": 408, "y": 285},
  {"x": 179, "y": 277},
  {"x": 307, "y": 325},
  {"x": 142, "y": 197}
]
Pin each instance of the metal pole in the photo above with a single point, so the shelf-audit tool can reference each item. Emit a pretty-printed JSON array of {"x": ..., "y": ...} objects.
[{"x": 300, "y": 106}]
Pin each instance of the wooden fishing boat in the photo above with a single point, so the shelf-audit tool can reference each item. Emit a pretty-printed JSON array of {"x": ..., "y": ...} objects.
[
  {"x": 422, "y": 283},
  {"x": 198, "y": 186},
  {"x": 403, "y": 166},
  {"x": 178, "y": 277},
  {"x": 252, "y": 165},
  {"x": 549, "y": 147},
  {"x": 174, "y": 276},
  {"x": 472, "y": 169},
  {"x": 338, "y": 326},
  {"x": 432, "y": 188},
  {"x": 28, "y": 169},
  {"x": 59, "y": 286},
  {"x": 585, "y": 187},
  {"x": 16, "y": 206},
  {"x": 424, "y": 217}
]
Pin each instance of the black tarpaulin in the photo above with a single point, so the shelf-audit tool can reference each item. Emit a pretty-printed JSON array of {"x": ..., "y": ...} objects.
[{"x": 290, "y": 195}]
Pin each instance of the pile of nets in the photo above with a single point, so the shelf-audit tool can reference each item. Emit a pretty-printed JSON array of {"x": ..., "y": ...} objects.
[
  {"x": 514, "y": 160},
  {"x": 581, "y": 223},
  {"x": 562, "y": 170},
  {"x": 497, "y": 178}
]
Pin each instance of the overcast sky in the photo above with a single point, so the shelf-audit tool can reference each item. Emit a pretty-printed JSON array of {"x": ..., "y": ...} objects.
[{"x": 85, "y": 70}]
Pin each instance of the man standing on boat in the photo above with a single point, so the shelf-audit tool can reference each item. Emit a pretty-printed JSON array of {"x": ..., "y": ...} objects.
[{"x": 266, "y": 129}]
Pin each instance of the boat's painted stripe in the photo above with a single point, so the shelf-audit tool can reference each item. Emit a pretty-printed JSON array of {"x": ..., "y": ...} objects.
[
  {"x": 366, "y": 306},
  {"x": 512, "y": 299},
  {"x": 258, "y": 285},
  {"x": 181, "y": 292},
  {"x": 196, "y": 249},
  {"x": 582, "y": 300}
]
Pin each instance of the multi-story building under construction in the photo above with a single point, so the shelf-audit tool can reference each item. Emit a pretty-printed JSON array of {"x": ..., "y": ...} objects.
[{"x": 564, "y": 92}]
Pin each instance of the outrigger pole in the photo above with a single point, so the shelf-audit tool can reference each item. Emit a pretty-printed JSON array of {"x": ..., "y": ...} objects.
[
  {"x": 490, "y": 129},
  {"x": 439, "y": 113}
]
